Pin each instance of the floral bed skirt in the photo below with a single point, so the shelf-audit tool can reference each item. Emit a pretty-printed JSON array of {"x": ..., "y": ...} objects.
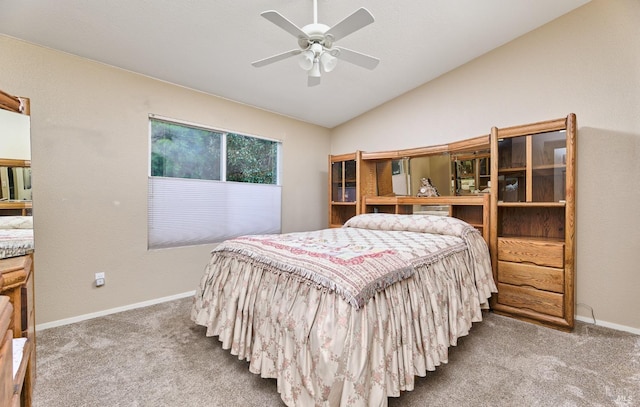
[{"x": 325, "y": 352}]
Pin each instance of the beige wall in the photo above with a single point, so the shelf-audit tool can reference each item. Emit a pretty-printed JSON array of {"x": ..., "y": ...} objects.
[
  {"x": 90, "y": 147},
  {"x": 586, "y": 62},
  {"x": 89, "y": 128}
]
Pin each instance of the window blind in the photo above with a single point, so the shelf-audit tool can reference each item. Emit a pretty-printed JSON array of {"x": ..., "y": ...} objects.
[{"x": 184, "y": 212}]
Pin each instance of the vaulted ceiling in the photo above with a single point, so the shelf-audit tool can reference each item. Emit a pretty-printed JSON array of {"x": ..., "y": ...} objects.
[{"x": 209, "y": 45}]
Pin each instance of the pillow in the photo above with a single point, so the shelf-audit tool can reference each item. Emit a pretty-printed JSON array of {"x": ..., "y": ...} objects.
[
  {"x": 442, "y": 225},
  {"x": 16, "y": 222}
]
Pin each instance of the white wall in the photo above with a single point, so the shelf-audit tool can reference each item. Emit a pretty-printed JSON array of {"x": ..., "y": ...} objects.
[
  {"x": 586, "y": 62},
  {"x": 89, "y": 130}
]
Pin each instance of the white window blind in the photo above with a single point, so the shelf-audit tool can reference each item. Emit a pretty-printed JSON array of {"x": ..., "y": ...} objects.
[{"x": 185, "y": 212}]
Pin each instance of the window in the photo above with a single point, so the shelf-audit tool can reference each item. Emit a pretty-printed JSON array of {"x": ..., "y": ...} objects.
[
  {"x": 180, "y": 151},
  {"x": 208, "y": 185}
]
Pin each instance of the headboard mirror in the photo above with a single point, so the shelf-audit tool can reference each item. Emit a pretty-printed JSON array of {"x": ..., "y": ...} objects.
[
  {"x": 459, "y": 168},
  {"x": 408, "y": 171},
  {"x": 471, "y": 172}
]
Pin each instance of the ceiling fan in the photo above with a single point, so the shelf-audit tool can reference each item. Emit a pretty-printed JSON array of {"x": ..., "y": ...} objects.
[{"x": 317, "y": 51}]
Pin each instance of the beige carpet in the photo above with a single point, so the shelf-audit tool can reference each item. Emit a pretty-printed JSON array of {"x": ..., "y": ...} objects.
[{"x": 156, "y": 356}]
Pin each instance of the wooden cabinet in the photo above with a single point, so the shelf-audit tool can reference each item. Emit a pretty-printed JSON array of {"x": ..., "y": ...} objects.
[
  {"x": 533, "y": 221},
  {"x": 344, "y": 183},
  {"x": 356, "y": 176}
]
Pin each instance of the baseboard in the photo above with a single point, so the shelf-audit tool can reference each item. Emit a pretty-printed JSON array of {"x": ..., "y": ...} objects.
[
  {"x": 606, "y": 324},
  {"x": 84, "y": 317}
]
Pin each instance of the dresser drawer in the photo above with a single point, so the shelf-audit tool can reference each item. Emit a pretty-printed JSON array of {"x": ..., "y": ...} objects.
[
  {"x": 542, "y": 278},
  {"x": 544, "y": 302},
  {"x": 542, "y": 253}
]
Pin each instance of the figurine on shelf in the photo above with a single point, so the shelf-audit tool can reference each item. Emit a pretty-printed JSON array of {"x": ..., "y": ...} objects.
[{"x": 427, "y": 189}]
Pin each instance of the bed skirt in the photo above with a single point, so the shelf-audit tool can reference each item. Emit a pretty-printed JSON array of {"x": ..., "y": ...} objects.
[{"x": 324, "y": 352}]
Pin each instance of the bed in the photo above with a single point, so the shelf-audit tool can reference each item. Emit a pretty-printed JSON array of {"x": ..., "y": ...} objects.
[
  {"x": 16, "y": 236},
  {"x": 347, "y": 316}
]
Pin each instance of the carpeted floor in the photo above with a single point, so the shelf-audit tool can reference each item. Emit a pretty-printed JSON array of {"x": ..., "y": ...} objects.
[{"x": 156, "y": 356}]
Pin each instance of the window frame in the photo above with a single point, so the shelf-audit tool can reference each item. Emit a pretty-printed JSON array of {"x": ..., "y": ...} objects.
[
  {"x": 156, "y": 220},
  {"x": 223, "y": 147}
]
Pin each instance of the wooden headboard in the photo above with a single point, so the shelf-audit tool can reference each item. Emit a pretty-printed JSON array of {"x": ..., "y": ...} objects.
[{"x": 473, "y": 209}]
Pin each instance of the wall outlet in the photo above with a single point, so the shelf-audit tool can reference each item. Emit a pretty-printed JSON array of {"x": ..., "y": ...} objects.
[{"x": 99, "y": 279}]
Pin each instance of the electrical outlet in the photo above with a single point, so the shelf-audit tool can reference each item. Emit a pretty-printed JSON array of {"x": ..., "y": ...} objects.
[{"x": 99, "y": 279}]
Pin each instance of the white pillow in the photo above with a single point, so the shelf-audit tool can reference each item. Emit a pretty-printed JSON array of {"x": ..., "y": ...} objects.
[{"x": 443, "y": 225}]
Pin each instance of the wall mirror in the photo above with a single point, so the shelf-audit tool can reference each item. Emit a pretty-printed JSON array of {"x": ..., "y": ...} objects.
[
  {"x": 15, "y": 182},
  {"x": 16, "y": 222},
  {"x": 15, "y": 158}
]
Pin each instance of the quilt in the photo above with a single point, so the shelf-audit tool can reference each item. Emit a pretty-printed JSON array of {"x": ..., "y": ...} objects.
[{"x": 347, "y": 316}]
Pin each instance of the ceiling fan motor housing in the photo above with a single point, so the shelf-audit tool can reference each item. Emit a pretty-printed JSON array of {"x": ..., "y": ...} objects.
[{"x": 315, "y": 34}]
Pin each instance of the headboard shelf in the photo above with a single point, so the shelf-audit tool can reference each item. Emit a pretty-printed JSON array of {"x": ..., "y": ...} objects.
[
  {"x": 473, "y": 209},
  {"x": 468, "y": 145}
]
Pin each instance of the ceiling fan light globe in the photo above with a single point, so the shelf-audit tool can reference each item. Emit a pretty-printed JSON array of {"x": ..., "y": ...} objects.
[
  {"x": 315, "y": 70},
  {"x": 306, "y": 60},
  {"x": 316, "y": 48},
  {"x": 328, "y": 61}
]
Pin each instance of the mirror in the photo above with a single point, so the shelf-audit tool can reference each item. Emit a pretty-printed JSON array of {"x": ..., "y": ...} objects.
[
  {"x": 471, "y": 173},
  {"x": 437, "y": 168},
  {"x": 458, "y": 168},
  {"x": 16, "y": 222},
  {"x": 15, "y": 163},
  {"x": 407, "y": 174},
  {"x": 400, "y": 178},
  {"x": 464, "y": 173},
  {"x": 15, "y": 184},
  {"x": 15, "y": 136}
]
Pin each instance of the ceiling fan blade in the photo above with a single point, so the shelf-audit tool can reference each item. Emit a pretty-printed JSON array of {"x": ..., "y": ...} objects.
[
  {"x": 355, "y": 57},
  {"x": 276, "y": 58},
  {"x": 282, "y": 22},
  {"x": 313, "y": 81},
  {"x": 360, "y": 18}
]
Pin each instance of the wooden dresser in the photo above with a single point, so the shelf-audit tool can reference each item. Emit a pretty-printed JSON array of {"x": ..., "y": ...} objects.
[{"x": 17, "y": 321}]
